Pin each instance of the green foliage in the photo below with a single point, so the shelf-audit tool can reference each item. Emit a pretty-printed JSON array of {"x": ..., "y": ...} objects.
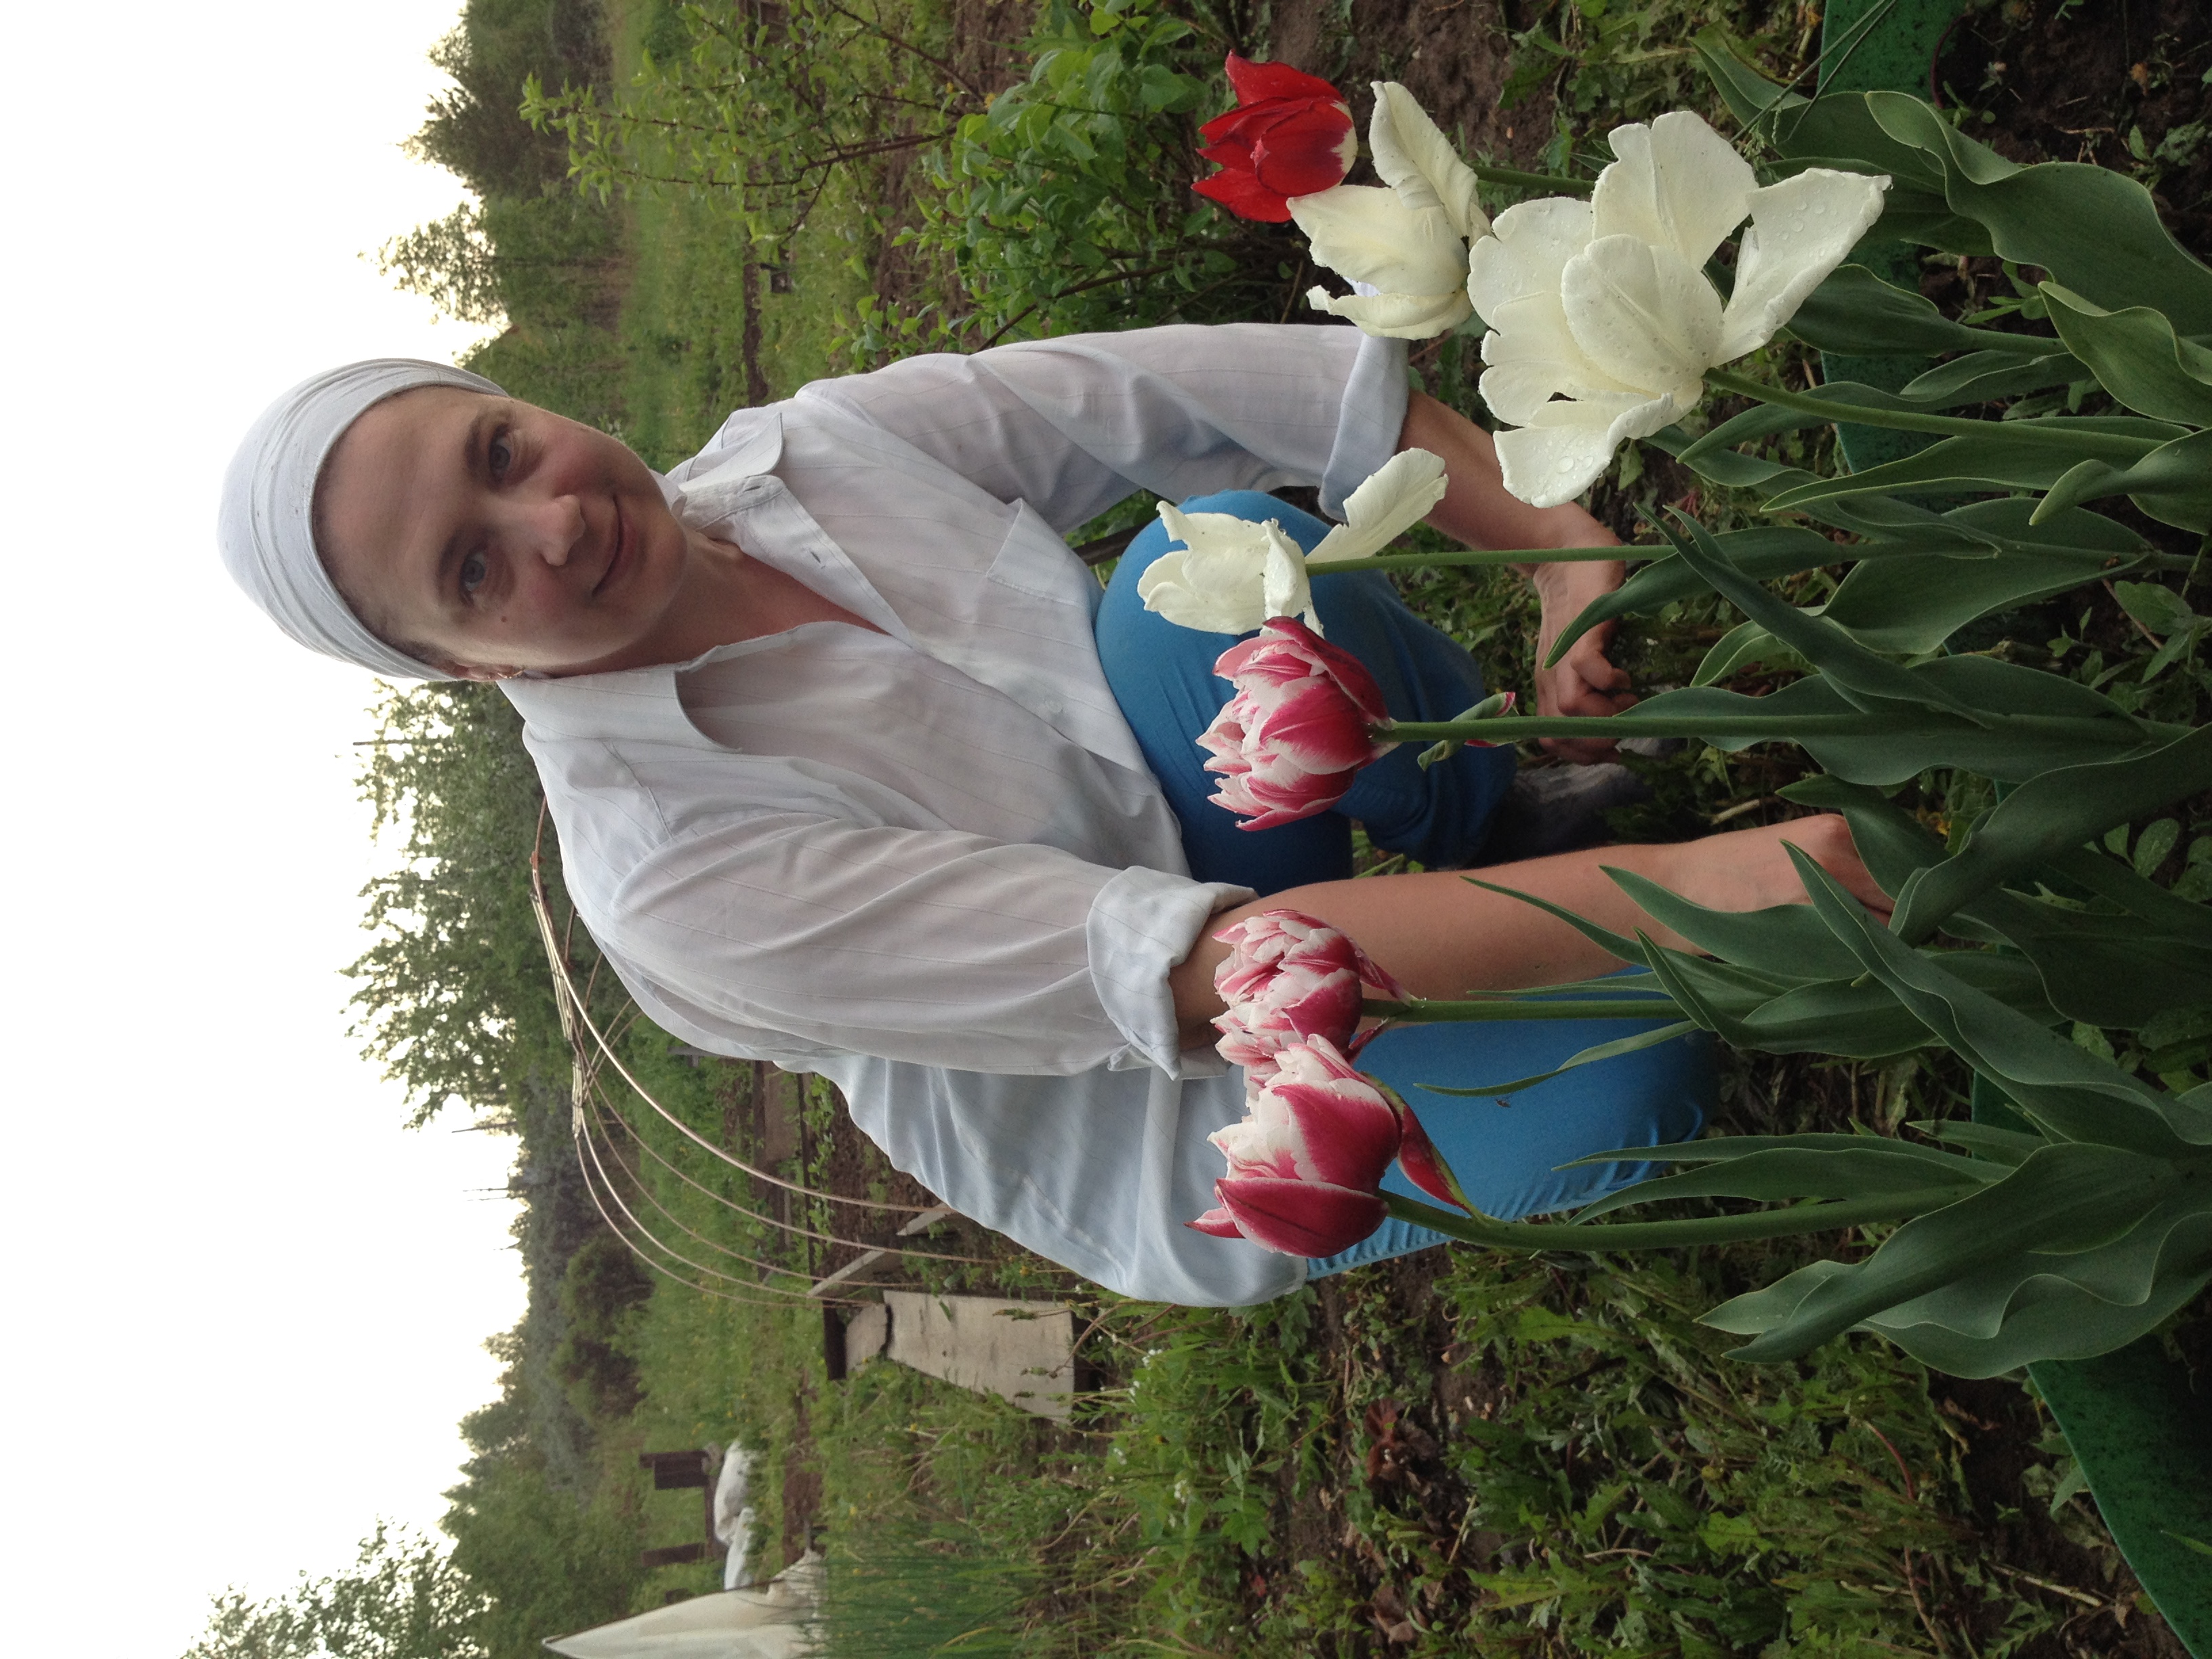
[
  {"x": 1607, "y": 62},
  {"x": 454, "y": 995},
  {"x": 765, "y": 107},
  {"x": 1064, "y": 207},
  {"x": 545, "y": 1563},
  {"x": 1588, "y": 1472},
  {"x": 601, "y": 1291},
  {"x": 2077, "y": 1239},
  {"x": 404, "y": 1598},
  {"x": 499, "y": 47},
  {"x": 530, "y": 261}
]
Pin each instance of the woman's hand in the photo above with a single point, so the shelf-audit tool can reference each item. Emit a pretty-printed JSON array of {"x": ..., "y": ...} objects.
[
  {"x": 1477, "y": 510},
  {"x": 1584, "y": 681}
]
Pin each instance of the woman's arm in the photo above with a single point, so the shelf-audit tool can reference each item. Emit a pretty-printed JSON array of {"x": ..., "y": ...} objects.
[
  {"x": 1443, "y": 937},
  {"x": 1477, "y": 510}
]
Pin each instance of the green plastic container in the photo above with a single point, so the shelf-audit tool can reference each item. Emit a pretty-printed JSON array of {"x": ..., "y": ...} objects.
[{"x": 2142, "y": 1437}]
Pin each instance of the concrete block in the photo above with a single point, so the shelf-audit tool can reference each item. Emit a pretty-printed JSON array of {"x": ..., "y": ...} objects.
[{"x": 1024, "y": 1351}]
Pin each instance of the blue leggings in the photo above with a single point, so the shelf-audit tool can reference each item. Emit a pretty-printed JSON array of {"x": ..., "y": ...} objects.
[{"x": 1505, "y": 1153}]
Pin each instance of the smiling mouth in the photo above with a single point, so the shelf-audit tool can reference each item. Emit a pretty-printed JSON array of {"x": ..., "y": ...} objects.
[{"x": 615, "y": 559}]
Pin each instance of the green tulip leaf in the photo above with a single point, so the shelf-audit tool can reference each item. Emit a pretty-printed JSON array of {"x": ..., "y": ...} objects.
[
  {"x": 1628, "y": 1045},
  {"x": 2050, "y": 815},
  {"x": 2136, "y": 356},
  {"x": 1751, "y": 97},
  {"x": 2014, "y": 524},
  {"x": 1864, "y": 1019},
  {"x": 2063, "y": 1200},
  {"x": 2008, "y": 1146},
  {"x": 1912, "y": 606},
  {"x": 1787, "y": 941},
  {"x": 1627, "y": 949},
  {"x": 2100, "y": 968},
  {"x": 1855, "y": 313},
  {"x": 2025, "y": 1306},
  {"x": 2173, "y": 483},
  {"x": 1867, "y": 680},
  {"x": 2092, "y": 228},
  {"x": 1745, "y": 646},
  {"x": 1779, "y": 550},
  {"x": 1986, "y": 376},
  {"x": 2050, "y": 721},
  {"x": 1779, "y": 1174},
  {"x": 2011, "y": 455},
  {"x": 2164, "y": 912},
  {"x": 2066, "y": 1091}
]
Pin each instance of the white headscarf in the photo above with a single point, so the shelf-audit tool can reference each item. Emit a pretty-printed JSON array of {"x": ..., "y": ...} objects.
[{"x": 266, "y": 526}]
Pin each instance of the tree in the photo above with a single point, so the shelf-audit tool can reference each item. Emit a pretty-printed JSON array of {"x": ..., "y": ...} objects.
[
  {"x": 403, "y": 1599},
  {"x": 454, "y": 995}
]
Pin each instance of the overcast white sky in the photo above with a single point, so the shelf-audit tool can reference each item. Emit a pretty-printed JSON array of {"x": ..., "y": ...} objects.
[{"x": 244, "y": 1308}]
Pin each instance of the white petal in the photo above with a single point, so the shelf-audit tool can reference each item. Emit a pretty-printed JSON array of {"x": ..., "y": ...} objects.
[
  {"x": 1678, "y": 183},
  {"x": 1561, "y": 453},
  {"x": 1416, "y": 159},
  {"x": 1217, "y": 585},
  {"x": 1396, "y": 316},
  {"x": 1284, "y": 588},
  {"x": 1396, "y": 497},
  {"x": 1533, "y": 355},
  {"x": 1800, "y": 229},
  {"x": 1528, "y": 247},
  {"x": 1643, "y": 314},
  {"x": 1364, "y": 234}
]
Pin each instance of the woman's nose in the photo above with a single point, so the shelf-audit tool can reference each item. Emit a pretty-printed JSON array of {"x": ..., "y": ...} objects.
[{"x": 550, "y": 527}]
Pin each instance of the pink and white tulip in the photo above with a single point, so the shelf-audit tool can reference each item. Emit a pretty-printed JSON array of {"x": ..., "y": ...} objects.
[
  {"x": 1290, "y": 977},
  {"x": 1306, "y": 1164},
  {"x": 1288, "y": 744}
]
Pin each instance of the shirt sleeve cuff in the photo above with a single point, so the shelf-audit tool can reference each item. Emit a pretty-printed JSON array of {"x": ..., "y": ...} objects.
[
  {"x": 1143, "y": 923},
  {"x": 1367, "y": 427}
]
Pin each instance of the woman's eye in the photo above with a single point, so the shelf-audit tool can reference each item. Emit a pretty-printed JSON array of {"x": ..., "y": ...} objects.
[
  {"x": 473, "y": 571},
  {"x": 499, "y": 454}
]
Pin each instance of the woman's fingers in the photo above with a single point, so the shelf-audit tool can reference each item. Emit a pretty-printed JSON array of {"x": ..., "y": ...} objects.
[
  {"x": 1826, "y": 839},
  {"x": 1583, "y": 682}
]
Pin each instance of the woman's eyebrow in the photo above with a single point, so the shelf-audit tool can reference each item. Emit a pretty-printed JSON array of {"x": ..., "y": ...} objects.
[{"x": 472, "y": 450}]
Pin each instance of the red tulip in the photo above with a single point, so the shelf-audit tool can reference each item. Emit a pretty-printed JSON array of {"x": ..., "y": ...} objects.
[
  {"x": 1290, "y": 135},
  {"x": 1306, "y": 1163},
  {"x": 1301, "y": 725},
  {"x": 1290, "y": 977}
]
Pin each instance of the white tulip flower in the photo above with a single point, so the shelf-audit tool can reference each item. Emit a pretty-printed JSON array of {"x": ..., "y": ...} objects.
[
  {"x": 1603, "y": 323},
  {"x": 1231, "y": 575},
  {"x": 1404, "y": 240}
]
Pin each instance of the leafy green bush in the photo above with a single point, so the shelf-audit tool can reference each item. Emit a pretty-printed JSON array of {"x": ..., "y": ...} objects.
[{"x": 1065, "y": 206}]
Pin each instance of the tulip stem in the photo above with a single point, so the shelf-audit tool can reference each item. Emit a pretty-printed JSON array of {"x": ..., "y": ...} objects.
[
  {"x": 1950, "y": 426},
  {"x": 1556, "y": 181},
  {"x": 1754, "y": 728},
  {"x": 1420, "y": 1010},
  {"x": 1487, "y": 556},
  {"x": 1797, "y": 1219}
]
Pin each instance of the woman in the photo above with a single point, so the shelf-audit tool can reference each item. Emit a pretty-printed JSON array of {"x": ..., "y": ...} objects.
[{"x": 854, "y": 770}]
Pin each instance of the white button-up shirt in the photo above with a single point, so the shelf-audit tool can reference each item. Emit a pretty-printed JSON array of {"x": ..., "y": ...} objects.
[{"x": 931, "y": 863}]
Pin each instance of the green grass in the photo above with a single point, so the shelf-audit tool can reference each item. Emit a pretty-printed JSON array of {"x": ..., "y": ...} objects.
[{"x": 683, "y": 319}]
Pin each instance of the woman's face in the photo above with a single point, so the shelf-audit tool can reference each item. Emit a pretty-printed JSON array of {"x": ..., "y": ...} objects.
[{"x": 485, "y": 534}]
